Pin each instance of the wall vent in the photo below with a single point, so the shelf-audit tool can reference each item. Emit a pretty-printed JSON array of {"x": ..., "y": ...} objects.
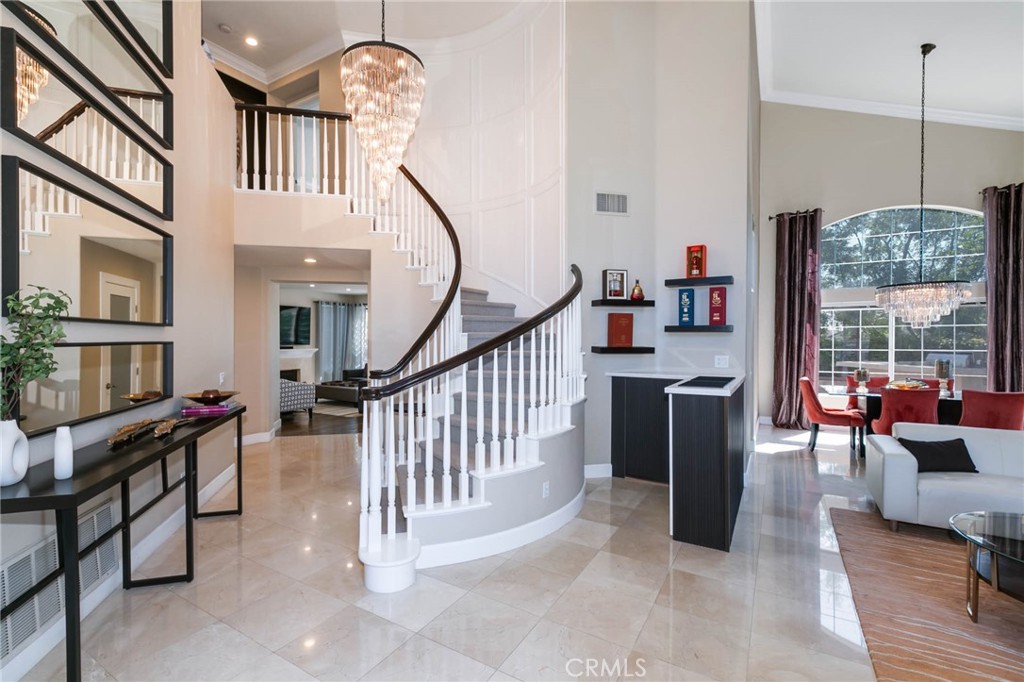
[
  {"x": 26, "y": 569},
  {"x": 612, "y": 204}
]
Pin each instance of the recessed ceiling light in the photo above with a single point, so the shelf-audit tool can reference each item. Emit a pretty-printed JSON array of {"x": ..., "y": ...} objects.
[
  {"x": 224, "y": 28},
  {"x": 348, "y": 289},
  {"x": 251, "y": 42},
  {"x": 309, "y": 260},
  {"x": 312, "y": 285}
]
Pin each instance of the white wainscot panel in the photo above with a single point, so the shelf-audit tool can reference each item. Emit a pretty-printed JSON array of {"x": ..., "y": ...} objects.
[
  {"x": 546, "y": 57},
  {"x": 547, "y": 135},
  {"x": 463, "y": 223},
  {"x": 502, "y": 161},
  {"x": 546, "y": 256},
  {"x": 443, "y": 163},
  {"x": 502, "y": 75},
  {"x": 448, "y": 100},
  {"x": 503, "y": 244}
]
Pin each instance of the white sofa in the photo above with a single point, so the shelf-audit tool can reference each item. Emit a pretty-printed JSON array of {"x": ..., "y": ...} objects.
[{"x": 902, "y": 494}]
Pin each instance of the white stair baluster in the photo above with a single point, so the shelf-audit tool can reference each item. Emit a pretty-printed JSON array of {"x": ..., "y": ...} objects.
[
  {"x": 401, "y": 426},
  {"x": 508, "y": 456},
  {"x": 463, "y": 445},
  {"x": 533, "y": 416},
  {"x": 244, "y": 180},
  {"x": 410, "y": 449},
  {"x": 446, "y": 448},
  {"x": 521, "y": 429},
  {"x": 495, "y": 443},
  {"x": 291, "y": 153},
  {"x": 480, "y": 456},
  {"x": 278, "y": 165},
  {"x": 390, "y": 417},
  {"x": 302, "y": 154},
  {"x": 268, "y": 171},
  {"x": 428, "y": 442}
]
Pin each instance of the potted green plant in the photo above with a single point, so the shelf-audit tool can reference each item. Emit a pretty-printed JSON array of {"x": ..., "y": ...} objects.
[{"x": 31, "y": 330}]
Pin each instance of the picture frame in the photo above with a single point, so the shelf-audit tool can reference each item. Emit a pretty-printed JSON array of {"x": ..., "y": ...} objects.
[{"x": 614, "y": 282}]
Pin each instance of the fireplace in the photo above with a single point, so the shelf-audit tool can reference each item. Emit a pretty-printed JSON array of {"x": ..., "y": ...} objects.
[{"x": 290, "y": 374}]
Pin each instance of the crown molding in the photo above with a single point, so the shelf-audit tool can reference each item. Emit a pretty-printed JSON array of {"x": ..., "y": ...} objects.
[
  {"x": 238, "y": 63},
  {"x": 962, "y": 118},
  {"x": 306, "y": 56}
]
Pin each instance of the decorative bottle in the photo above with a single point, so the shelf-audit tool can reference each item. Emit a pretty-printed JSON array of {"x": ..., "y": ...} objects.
[
  {"x": 638, "y": 292},
  {"x": 63, "y": 454}
]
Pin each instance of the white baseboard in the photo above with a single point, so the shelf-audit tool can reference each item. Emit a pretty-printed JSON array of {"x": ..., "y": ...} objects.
[
  {"x": 470, "y": 549},
  {"x": 597, "y": 470},
  {"x": 19, "y": 666}
]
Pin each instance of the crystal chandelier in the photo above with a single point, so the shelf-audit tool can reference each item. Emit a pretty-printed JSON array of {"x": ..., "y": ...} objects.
[
  {"x": 383, "y": 85},
  {"x": 31, "y": 76},
  {"x": 921, "y": 303}
]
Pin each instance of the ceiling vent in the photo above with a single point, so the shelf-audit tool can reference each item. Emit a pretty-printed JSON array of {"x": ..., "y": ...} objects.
[{"x": 612, "y": 204}]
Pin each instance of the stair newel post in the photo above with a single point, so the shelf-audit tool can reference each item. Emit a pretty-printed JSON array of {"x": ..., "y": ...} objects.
[
  {"x": 463, "y": 445},
  {"x": 391, "y": 464},
  {"x": 376, "y": 465},
  {"x": 521, "y": 428},
  {"x": 480, "y": 457},
  {"x": 509, "y": 450},
  {"x": 495, "y": 443},
  {"x": 446, "y": 448},
  {"x": 410, "y": 450},
  {"x": 280, "y": 156},
  {"x": 428, "y": 444}
]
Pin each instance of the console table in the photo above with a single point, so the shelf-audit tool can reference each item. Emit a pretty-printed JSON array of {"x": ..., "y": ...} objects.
[{"x": 98, "y": 469}]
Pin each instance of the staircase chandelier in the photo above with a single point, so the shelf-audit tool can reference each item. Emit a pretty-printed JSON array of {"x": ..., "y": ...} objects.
[
  {"x": 383, "y": 85},
  {"x": 30, "y": 74},
  {"x": 921, "y": 303}
]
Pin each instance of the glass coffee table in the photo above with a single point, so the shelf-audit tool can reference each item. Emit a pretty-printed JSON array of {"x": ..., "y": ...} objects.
[{"x": 995, "y": 544}]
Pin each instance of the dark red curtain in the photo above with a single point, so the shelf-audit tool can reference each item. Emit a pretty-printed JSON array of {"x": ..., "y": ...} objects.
[
  {"x": 1004, "y": 260},
  {"x": 797, "y": 312}
]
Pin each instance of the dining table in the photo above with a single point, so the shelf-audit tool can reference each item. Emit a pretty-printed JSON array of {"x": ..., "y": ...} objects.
[{"x": 950, "y": 404}]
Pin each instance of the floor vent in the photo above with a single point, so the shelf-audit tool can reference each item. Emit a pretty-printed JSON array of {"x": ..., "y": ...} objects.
[
  {"x": 26, "y": 569},
  {"x": 612, "y": 204}
]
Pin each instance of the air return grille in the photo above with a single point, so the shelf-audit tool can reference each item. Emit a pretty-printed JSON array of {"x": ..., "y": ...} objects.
[
  {"x": 612, "y": 204},
  {"x": 23, "y": 571}
]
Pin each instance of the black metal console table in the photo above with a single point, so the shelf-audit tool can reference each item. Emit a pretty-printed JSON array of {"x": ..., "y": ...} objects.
[{"x": 98, "y": 469}]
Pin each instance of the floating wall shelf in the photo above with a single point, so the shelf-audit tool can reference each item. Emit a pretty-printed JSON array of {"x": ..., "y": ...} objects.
[
  {"x": 620, "y": 303},
  {"x": 699, "y": 281},
  {"x": 631, "y": 350},
  {"x": 700, "y": 328}
]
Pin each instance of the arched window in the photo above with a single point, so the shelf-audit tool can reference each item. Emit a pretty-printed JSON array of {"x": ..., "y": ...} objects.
[{"x": 881, "y": 247}]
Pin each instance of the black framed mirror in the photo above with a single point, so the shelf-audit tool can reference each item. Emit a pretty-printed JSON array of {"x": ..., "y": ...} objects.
[
  {"x": 96, "y": 379},
  {"x": 63, "y": 120},
  {"x": 95, "y": 46},
  {"x": 150, "y": 24},
  {"x": 115, "y": 267}
]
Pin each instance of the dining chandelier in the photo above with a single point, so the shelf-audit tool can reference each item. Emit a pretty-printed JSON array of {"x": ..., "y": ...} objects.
[
  {"x": 921, "y": 303},
  {"x": 383, "y": 85},
  {"x": 30, "y": 74}
]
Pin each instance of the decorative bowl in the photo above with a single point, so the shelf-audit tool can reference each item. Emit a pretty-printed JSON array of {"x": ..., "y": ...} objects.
[
  {"x": 210, "y": 396},
  {"x": 907, "y": 385},
  {"x": 141, "y": 397}
]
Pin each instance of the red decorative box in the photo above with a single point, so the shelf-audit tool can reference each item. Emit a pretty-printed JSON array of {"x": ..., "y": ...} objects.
[
  {"x": 716, "y": 312},
  {"x": 620, "y": 330},
  {"x": 696, "y": 260}
]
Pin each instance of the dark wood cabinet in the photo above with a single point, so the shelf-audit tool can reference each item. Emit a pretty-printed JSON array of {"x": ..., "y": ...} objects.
[{"x": 640, "y": 428}]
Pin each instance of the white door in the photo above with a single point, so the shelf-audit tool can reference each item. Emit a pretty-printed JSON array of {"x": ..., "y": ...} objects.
[{"x": 120, "y": 366}]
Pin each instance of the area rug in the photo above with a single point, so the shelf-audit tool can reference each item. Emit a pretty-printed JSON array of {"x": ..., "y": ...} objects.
[
  {"x": 335, "y": 409},
  {"x": 909, "y": 589}
]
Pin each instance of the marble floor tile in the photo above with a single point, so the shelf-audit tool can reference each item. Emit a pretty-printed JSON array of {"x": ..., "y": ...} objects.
[
  {"x": 604, "y": 512},
  {"x": 583, "y": 532},
  {"x": 467, "y": 574},
  {"x": 639, "y": 579},
  {"x": 271, "y": 668},
  {"x": 240, "y": 583},
  {"x": 426, "y": 661},
  {"x": 556, "y": 652},
  {"x": 657, "y": 548},
  {"x": 696, "y": 644},
  {"x": 415, "y": 606},
  {"x": 604, "y": 612},
  {"x": 643, "y": 667},
  {"x": 281, "y": 617},
  {"x": 524, "y": 586},
  {"x": 301, "y": 556},
  {"x": 567, "y": 558},
  {"x": 622, "y": 496},
  {"x": 784, "y": 661},
  {"x": 346, "y": 646},
  {"x": 728, "y": 603},
  {"x": 711, "y": 563},
  {"x": 52, "y": 668},
  {"x": 217, "y": 652},
  {"x": 481, "y": 628},
  {"x": 825, "y": 622}
]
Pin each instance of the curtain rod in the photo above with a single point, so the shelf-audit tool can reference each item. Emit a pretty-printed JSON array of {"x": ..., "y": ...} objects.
[{"x": 771, "y": 217}]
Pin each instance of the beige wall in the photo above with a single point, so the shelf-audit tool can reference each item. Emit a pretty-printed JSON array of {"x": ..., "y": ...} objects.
[{"x": 848, "y": 163}]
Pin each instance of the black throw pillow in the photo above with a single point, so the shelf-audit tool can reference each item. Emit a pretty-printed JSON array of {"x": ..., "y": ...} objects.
[{"x": 940, "y": 455}]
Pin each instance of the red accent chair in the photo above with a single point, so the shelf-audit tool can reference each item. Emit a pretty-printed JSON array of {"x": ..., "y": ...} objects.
[
  {"x": 920, "y": 406},
  {"x": 818, "y": 415},
  {"x": 989, "y": 410},
  {"x": 851, "y": 385}
]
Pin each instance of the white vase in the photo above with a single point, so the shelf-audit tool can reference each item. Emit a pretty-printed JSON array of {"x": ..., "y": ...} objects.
[
  {"x": 63, "y": 454},
  {"x": 13, "y": 452}
]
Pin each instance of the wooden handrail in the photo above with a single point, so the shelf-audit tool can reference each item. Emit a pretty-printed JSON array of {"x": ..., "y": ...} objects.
[
  {"x": 453, "y": 286},
  {"x": 456, "y": 361},
  {"x": 76, "y": 111},
  {"x": 306, "y": 113}
]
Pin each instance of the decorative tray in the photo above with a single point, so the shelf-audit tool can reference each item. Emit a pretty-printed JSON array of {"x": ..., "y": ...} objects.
[{"x": 210, "y": 397}]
